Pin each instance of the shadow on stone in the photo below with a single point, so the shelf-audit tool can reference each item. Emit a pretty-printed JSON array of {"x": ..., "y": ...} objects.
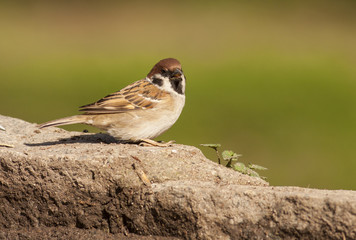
[{"x": 83, "y": 138}]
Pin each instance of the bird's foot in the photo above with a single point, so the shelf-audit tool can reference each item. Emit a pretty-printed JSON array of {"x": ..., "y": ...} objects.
[{"x": 152, "y": 143}]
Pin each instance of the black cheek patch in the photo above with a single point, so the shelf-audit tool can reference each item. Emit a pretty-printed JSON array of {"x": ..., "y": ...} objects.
[
  {"x": 157, "y": 81},
  {"x": 177, "y": 85}
]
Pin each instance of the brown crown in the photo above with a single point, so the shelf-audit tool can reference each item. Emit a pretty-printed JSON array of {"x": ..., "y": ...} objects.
[{"x": 168, "y": 63}]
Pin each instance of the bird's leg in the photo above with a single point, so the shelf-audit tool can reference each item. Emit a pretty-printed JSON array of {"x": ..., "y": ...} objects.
[{"x": 150, "y": 143}]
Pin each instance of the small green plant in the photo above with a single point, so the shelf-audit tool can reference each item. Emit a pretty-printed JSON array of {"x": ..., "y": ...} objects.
[
  {"x": 214, "y": 146},
  {"x": 232, "y": 162}
]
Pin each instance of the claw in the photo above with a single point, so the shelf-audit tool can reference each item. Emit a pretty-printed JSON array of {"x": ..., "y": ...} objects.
[{"x": 152, "y": 143}]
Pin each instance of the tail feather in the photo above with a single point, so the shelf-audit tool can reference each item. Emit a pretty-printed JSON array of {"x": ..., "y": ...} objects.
[{"x": 64, "y": 121}]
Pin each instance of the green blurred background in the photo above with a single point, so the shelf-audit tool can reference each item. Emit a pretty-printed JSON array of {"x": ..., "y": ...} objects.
[{"x": 274, "y": 81}]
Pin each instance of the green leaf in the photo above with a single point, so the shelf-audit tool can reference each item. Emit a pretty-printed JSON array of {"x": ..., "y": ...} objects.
[
  {"x": 253, "y": 173},
  {"x": 230, "y": 155},
  {"x": 256, "y": 167},
  {"x": 263, "y": 178},
  {"x": 240, "y": 167},
  {"x": 211, "y": 145}
]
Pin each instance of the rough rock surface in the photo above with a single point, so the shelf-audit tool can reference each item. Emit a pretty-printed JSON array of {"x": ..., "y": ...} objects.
[{"x": 56, "y": 184}]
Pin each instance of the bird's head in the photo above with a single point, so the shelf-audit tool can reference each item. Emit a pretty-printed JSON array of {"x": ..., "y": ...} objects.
[{"x": 168, "y": 75}]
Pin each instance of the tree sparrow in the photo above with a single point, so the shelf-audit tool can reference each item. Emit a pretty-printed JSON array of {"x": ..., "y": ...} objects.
[{"x": 141, "y": 111}]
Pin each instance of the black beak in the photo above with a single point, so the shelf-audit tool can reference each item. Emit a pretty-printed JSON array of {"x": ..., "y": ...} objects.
[{"x": 177, "y": 73}]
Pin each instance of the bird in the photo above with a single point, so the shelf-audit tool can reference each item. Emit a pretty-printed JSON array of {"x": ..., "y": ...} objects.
[{"x": 139, "y": 112}]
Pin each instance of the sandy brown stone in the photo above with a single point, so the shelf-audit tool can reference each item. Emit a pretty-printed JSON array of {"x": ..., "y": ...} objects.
[{"x": 61, "y": 185}]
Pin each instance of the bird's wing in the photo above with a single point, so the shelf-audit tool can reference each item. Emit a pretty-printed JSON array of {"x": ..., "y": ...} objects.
[{"x": 139, "y": 95}]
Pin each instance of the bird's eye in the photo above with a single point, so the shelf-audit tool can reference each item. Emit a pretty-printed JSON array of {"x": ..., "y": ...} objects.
[{"x": 164, "y": 71}]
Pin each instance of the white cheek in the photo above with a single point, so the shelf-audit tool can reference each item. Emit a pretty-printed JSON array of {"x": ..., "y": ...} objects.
[
  {"x": 183, "y": 83},
  {"x": 166, "y": 84}
]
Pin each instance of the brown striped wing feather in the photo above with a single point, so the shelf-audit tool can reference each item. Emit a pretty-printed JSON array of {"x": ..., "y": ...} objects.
[{"x": 139, "y": 95}]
